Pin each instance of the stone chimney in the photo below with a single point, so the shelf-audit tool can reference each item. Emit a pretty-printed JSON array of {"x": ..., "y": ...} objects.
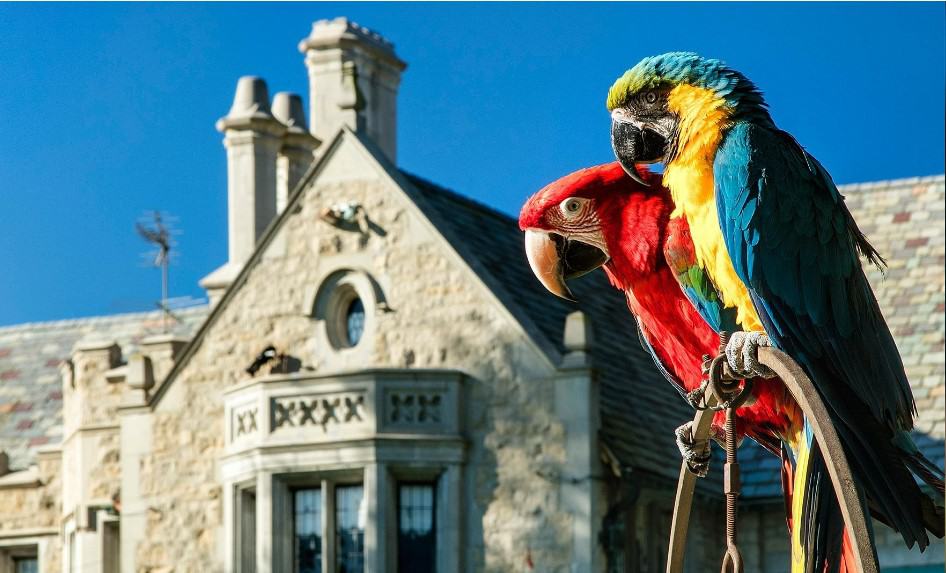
[
  {"x": 253, "y": 138},
  {"x": 298, "y": 146},
  {"x": 354, "y": 76}
]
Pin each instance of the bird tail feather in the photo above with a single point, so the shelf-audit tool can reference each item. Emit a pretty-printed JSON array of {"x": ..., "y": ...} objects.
[{"x": 818, "y": 538}]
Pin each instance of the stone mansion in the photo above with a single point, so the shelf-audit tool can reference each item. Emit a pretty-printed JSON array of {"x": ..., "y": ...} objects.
[{"x": 378, "y": 383}]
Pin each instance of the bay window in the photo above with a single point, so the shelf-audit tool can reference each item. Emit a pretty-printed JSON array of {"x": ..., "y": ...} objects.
[{"x": 353, "y": 472}]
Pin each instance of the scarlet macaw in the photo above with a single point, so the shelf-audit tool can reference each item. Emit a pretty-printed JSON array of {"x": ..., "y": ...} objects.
[
  {"x": 773, "y": 236},
  {"x": 600, "y": 217}
]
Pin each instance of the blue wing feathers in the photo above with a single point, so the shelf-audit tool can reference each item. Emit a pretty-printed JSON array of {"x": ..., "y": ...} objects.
[
  {"x": 795, "y": 246},
  {"x": 785, "y": 206}
]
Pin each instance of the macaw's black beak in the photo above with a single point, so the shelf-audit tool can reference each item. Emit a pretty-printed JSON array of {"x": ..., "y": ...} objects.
[
  {"x": 633, "y": 145},
  {"x": 554, "y": 259}
]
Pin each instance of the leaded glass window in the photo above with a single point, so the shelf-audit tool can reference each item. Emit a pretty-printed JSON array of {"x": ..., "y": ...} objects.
[
  {"x": 307, "y": 524},
  {"x": 416, "y": 528},
  {"x": 355, "y": 321},
  {"x": 25, "y": 565},
  {"x": 350, "y": 528}
]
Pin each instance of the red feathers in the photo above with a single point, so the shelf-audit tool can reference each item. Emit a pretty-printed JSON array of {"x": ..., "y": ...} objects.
[{"x": 634, "y": 221}]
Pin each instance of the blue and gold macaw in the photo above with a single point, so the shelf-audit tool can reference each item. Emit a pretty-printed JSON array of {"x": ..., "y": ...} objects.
[{"x": 774, "y": 237}]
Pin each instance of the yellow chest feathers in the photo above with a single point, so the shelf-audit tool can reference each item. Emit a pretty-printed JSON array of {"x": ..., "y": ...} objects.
[{"x": 703, "y": 118}]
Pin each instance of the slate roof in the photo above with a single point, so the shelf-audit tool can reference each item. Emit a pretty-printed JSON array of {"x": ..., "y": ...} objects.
[
  {"x": 30, "y": 385},
  {"x": 639, "y": 408}
]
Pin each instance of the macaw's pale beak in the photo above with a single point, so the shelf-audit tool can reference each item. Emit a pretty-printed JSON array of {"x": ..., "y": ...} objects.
[{"x": 555, "y": 259}]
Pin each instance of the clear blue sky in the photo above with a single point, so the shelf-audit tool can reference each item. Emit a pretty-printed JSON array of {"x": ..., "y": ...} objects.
[{"x": 108, "y": 110}]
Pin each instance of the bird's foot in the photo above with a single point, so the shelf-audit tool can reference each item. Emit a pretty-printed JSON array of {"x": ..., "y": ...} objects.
[
  {"x": 696, "y": 455},
  {"x": 697, "y": 396},
  {"x": 742, "y": 353}
]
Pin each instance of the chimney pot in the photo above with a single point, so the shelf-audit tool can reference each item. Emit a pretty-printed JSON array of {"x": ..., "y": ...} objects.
[
  {"x": 298, "y": 146},
  {"x": 251, "y": 98},
  {"x": 288, "y": 109}
]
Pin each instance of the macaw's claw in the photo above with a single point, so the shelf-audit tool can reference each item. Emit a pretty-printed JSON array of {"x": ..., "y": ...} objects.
[
  {"x": 705, "y": 365},
  {"x": 742, "y": 353},
  {"x": 696, "y": 456},
  {"x": 697, "y": 396}
]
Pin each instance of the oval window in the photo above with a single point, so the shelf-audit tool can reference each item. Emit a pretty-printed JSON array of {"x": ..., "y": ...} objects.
[{"x": 355, "y": 321}]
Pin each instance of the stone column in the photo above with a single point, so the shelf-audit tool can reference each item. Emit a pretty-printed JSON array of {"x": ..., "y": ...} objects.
[
  {"x": 135, "y": 442},
  {"x": 264, "y": 523},
  {"x": 328, "y": 524},
  {"x": 449, "y": 519},
  {"x": 230, "y": 527},
  {"x": 577, "y": 406},
  {"x": 379, "y": 519}
]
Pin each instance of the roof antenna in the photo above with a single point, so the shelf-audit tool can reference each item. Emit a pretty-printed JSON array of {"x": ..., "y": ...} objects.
[{"x": 159, "y": 234}]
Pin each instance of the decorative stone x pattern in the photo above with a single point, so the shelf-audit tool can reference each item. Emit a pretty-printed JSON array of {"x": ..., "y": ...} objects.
[
  {"x": 244, "y": 422},
  {"x": 333, "y": 409},
  {"x": 414, "y": 408}
]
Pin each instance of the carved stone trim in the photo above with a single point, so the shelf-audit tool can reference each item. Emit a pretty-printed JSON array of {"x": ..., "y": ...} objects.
[
  {"x": 322, "y": 410},
  {"x": 414, "y": 408},
  {"x": 243, "y": 421}
]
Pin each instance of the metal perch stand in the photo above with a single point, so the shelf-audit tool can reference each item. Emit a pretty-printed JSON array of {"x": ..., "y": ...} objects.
[{"x": 801, "y": 388}]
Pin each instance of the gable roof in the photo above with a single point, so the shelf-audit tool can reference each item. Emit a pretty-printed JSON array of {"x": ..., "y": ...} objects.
[
  {"x": 30, "y": 384},
  {"x": 639, "y": 408}
]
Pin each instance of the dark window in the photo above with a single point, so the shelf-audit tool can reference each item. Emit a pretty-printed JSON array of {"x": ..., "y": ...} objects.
[
  {"x": 246, "y": 544},
  {"x": 111, "y": 547},
  {"x": 416, "y": 528},
  {"x": 25, "y": 565},
  {"x": 349, "y": 529},
  {"x": 307, "y": 522},
  {"x": 355, "y": 321},
  {"x": 614, "y": 537}
]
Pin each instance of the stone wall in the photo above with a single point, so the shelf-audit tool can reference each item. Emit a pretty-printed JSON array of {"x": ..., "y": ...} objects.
[
  {"x": 36, "y": 507},
  {"x": 904, "y": 220},
  {"x": 439, "y": 317}
]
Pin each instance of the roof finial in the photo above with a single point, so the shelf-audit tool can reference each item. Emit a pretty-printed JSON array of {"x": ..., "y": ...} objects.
[{"x": 578, "y": 340}]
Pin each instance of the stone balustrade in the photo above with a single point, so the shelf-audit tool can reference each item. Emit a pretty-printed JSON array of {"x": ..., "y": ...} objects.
[{"x": 306, "y": 409}]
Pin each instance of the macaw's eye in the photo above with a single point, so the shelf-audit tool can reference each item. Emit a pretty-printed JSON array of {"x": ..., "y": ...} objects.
[
  {"x": 650, "y": 98},
  {"x": 571, "y": 207}
]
